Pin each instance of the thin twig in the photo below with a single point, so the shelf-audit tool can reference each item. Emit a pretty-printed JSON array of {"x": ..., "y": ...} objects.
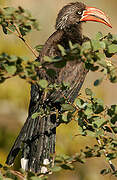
[
  {"x": 106, "y": 154},
  {"x": 12, "y": 32},
  {"x": 20, "y": 37},
  {"x": 18, "y": 174},
  {"x": 17, "y": 29},
  {"x": 29, "y": 47}
]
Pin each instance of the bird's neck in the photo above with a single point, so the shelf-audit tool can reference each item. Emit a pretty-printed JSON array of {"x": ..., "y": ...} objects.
[{"x": 73, "y": 34}]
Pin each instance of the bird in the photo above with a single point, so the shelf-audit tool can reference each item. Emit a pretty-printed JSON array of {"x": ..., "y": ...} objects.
[{"x": 37, "y": 137}]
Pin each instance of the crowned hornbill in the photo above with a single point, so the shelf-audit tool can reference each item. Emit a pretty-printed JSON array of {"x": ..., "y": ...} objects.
[{"x": 37, "y": 137}]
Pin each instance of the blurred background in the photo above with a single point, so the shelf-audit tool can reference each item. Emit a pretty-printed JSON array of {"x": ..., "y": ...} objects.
[{"x": 15, "y": 93}]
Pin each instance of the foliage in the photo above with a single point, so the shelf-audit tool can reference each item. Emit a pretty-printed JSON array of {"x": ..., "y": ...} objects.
[
  {"x": 92, "y": 116},
  {"x": 10, "y": 17}
]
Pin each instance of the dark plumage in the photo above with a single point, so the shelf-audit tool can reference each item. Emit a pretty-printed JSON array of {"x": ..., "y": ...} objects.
[{"x": 37, "y": 137}]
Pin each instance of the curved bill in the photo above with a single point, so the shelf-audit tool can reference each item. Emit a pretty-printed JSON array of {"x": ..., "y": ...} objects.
[{"x": 94, "y": 14}]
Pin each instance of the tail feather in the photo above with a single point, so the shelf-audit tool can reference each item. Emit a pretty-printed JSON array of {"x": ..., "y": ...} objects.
[
  {"x": 17, "y": 145},
  {"x": 36, "y": 139},
  {"x": 42, "y": 148},
  {"x": 37, "y": 142}
]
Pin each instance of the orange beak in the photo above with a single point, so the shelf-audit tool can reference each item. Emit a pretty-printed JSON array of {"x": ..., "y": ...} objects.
[{"x": 94, "y": 14}]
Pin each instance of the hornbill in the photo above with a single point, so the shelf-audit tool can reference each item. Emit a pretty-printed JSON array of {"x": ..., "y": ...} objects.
[{"x": 37, "y": 138}]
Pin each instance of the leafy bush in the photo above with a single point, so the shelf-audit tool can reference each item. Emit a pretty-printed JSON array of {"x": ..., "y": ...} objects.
[{"x": 92, "y": 116}]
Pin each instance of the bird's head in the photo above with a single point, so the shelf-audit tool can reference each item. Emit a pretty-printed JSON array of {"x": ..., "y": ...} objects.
[{"x": 75, "y": 13}]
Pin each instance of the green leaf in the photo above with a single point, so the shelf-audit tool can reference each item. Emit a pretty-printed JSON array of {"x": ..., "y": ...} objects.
[
  {"x": 43, "y": 83},
  {"x": 112, "y": 74},
  {"x": 101, "y": 56},
  {"x": 114, "y": 38},
  {"x": 24, "y": 29},
  {"x": 38, "y": 48},
  {"x": 67, "y": 166},
  {"x": 112, "y": 111},
  {"x": 35, "y": 115},
  {"x": 21, "y": 10},
  {"x": 71, "y": 45},
  {"x": 48, "y": 59},
  {"x": 1, "y": 177},
  {"x": 114, "y": 108},
  {"x": 25, "y": 58},
  {"x": 115, "y": 129},
  {"x": 102, "y": 45},
  {"x": 99, "y": 132},
  {"x": 98, "y": 36},
  {"x": 98, "y": 106},
  {"x": 56, "y": 169},
  {"x": 105, "y": 171},
  {"x": 61, "y": 48},
  {"x": 88, "y": 111},
  {"x": 65, "y": 85},
  {"x": 80, "y": 103},
  {"x": 88, "y": 92},
  {"x": 12, "y": 27},
  {"x": 96, "y": 45},
  {"x": 13, "y": 58},
  {"x": 9, "y": 10},
  {"x": 67, "y": 107},
  {"x": 108, "y": 55},
  {"x": 11, "y": 69},
  {"x": 111, "y": 156},
  {"x": 65, "y": 116},
  {"x": 90, "y": 133},
  {"x": 10, "y": 176},
  {"x": 86, "y": 46},
  {"x": 112, "y": 48},
  {"x": 99, "y": 122},
  {"x": 80, "y": 130},
  {"x": 59, "y": 159},
  {"x": 103, "y": 63}
]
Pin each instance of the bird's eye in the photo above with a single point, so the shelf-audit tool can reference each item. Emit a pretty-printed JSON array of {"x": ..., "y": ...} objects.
[{"x": 78, "y": 12}]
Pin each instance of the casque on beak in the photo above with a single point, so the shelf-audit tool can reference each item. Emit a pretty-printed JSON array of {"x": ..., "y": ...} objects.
[{"x": 94, "y": 14}]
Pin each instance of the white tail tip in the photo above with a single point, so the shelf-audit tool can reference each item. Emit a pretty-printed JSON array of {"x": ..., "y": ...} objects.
[{"x": 24, "y": 164}]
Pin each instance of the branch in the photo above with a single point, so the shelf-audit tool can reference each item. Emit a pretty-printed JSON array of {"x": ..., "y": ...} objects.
[
  {"x": 21, "y": 37},
  {"x": 105, "y": 153},
  {"x": 18, "y": 174}
]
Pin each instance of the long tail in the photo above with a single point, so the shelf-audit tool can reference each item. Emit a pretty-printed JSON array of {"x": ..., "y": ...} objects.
[{"x": 36, "y": 139}]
